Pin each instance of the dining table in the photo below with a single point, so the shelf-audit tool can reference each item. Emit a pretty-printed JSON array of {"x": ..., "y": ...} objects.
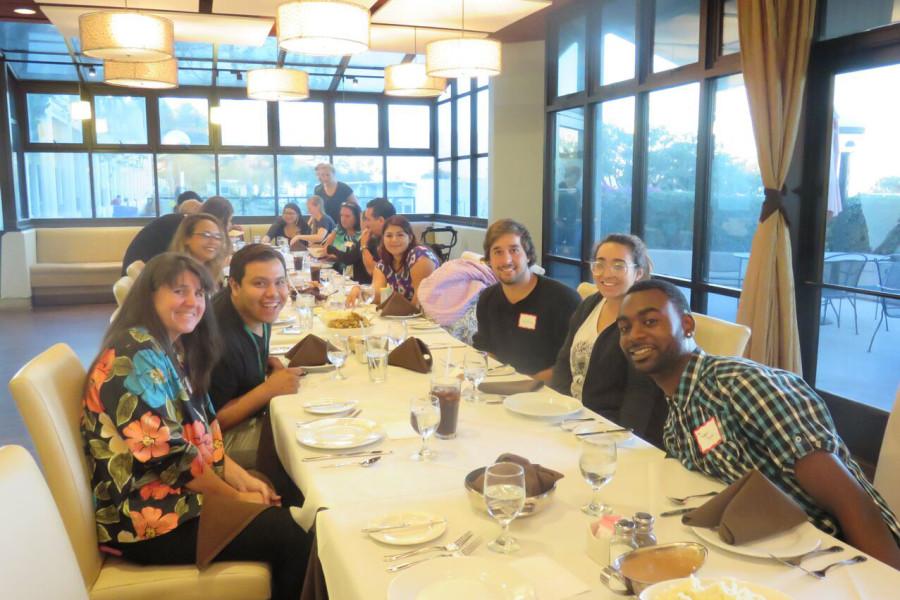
[{"x": 554, "y": 555}]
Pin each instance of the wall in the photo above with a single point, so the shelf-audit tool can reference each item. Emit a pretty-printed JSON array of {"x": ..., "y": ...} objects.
[{"x": 517, "y": 138}]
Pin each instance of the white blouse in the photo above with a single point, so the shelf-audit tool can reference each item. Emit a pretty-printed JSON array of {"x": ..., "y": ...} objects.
[{"x": 582, "y": 346}]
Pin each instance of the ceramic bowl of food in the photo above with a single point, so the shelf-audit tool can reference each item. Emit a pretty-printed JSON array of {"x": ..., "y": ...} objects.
[
  {"x": 636, "y": 571},
  {"x": 533, "y": 504}
]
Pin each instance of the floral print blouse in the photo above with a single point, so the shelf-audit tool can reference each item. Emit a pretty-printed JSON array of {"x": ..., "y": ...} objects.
[
  {"x": 145, "y": 438},
  {"x": 401, "y": 281}
]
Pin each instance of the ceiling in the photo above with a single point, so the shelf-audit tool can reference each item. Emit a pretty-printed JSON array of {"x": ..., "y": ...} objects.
[{"x": 218, "y": 40}]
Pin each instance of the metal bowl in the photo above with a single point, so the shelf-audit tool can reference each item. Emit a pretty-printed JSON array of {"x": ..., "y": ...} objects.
[
  {"x": 639, "y": 569},
  {"x": 533, "y": 504}
]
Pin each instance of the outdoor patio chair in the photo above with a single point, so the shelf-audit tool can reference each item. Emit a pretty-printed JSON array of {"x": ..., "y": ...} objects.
[
  {"x": 888, "y": 281},
  {"x": 441, "y": 248},
  {"x": 843, "y": 270}
]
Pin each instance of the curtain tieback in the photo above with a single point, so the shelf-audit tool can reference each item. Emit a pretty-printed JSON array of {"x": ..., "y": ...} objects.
[{"x": 774, "y": 202}]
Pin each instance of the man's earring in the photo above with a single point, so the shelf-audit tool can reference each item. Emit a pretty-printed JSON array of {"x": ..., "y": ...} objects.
[{"x": 689, "y": 334}]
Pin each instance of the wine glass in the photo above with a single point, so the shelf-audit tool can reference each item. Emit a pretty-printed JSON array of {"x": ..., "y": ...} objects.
[
  {"x": 337, "y": 354},
  {"x": 367, "y": 293},
  {"x": 598, "y": 465},
  {"x": 474, "y": 370},
  {"x": 396, "y": 332},
  {"x": 424, "y": 416},
  {"x": 504, "y": 494}
]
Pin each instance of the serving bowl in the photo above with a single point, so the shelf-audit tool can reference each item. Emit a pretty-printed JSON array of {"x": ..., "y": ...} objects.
[
  {"x": 533, "y": 504},
  {"x": 639, "y": 569}
]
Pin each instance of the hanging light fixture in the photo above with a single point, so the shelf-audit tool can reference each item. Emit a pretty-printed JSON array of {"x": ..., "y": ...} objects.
[
  {"x": 126, "y": 36},
  {"x": 148, "y": 75},
  {"x": 322, "y": 27},
  {"x": 411, "y": 80},
  {"x": 277, "y": 84},
  {"x": 80, "y": 110},
  {"x": 463, "y": 57}
]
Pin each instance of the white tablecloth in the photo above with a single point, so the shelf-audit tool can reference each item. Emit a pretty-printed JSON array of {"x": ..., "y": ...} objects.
[{"x": 355, "y": 496}]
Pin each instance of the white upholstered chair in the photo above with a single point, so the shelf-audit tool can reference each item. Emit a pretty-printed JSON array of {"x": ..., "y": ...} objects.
[
  {"x": 48, "y": 393},
  {"x": 887, "y": 473},
  {"x": 719, "y": 337},
  {"x": 36, "y": 558},
  {"x": 586, "y": 289}
]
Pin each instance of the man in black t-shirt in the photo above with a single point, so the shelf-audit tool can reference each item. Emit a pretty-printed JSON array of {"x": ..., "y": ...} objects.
[
  {"x": 239, "y": 389},
  {"x": 377, "y": 212},
  {"x": 523, "y": 320},
  {"x": 156, "y": 236}
]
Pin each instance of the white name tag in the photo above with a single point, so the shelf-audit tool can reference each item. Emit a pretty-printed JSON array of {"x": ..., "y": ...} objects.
[
  {"x": 527, "y": 321},
  {"x": 708, "y": 435}
]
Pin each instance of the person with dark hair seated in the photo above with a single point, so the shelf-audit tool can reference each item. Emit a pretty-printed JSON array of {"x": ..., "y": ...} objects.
[
  {"x": 590, "y": 365},
  {"x": 155, "y": 237},
  {"x": 221, "y": 209},
  {"x": 154, "y": 445},
  {"x": 318, "y": 226},
  {"x": 343, "y": 242},
  {"x": 403, "y": 263},
  {"x": 288, "y": 225},
  {"x": 203, "y": 238},
  {"x": 378, "y": 210},
  {"x": 729, "y": 416}
]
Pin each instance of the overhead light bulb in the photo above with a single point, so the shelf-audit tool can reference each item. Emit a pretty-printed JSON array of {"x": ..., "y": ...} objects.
[
  {"x": 322, "y": 28},
  {"x": 126, "y": 36}
]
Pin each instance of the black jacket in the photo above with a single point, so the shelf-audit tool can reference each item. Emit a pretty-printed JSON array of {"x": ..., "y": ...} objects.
[{"x": 612, "y": 387}]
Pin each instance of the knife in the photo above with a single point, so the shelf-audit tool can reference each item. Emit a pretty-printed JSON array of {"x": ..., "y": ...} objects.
[
  {"x": 622, "y": 430},
  {"x": 676, "y": 512},
  {"x": 402, "y": 526},
  {"x": 349, "y": 454}
]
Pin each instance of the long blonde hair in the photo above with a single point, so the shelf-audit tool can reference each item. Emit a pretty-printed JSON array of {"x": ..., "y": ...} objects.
[{"x": 186, "y": 230}]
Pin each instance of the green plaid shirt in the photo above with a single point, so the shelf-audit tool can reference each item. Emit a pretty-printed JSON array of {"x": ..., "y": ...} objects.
[{"x": 768, "y": 419}]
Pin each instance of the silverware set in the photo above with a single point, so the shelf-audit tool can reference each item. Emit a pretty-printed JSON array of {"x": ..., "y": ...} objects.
[
  {"x": 681, "y": 501},
  {"x": 604, "y": 432},
  {"x": 359, "y": 454},
  {"x": 453, "y": 549},
  {"x": 796, "y": 562}
]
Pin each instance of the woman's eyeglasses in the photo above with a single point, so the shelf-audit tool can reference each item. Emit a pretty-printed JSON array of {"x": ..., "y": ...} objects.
[
  {"x": 208, "y": 235},
  {"x": 618, "y": 267}
]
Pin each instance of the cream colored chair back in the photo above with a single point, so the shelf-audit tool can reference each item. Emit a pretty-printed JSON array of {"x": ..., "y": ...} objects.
[
  {"x": 586, "y": 289},
  {"x": 121, "y": 289},
  {"x": 36, "y": 558},
  {"x": 48, "y": 392},
  {"x": 719, "y": 337},
  {"x": 887, "y": 473}
]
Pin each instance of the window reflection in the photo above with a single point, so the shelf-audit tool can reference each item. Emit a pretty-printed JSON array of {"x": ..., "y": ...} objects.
[
  {"x": 356, "y": 125},
  {"x": 125, "y": 118},
  {"x": 445, "y": 198},
  {"x": 410, "y": 183},
  {"x": 301, "y": 123},
  {"x": 463, "y": 127},
  {"x": 463, "y": 187},
  {"x": 244, "y": 122},
  {"x": 184, "y": 121},
  {"x": 49, "y": 121},
  {"x": 58, "y": 185},
  {"x": 248, "y": 181},
  {"x": 483, "y": 126},
  {"x": 676, "y": 35},
  {"x": 176, "y": 173},
  {"x": 483, "y": 186},
  {"x": 617, "y": 41},
  {"x": 731, "y": 42},
  {"x": 613, "y": 151},
  {"x": 409, "y": 126},
  {"x": 444, "y": 130},
  {"x": 565, "y": 234},
  {"x": 365, "y": 174},
  {"x": 570, "y": 56},
  {"x": 123, "y": 185},
  {"x": 297, "y": 178}
]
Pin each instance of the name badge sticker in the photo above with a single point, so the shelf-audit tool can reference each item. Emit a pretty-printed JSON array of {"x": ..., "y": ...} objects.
[
  {"x": 527, "y": 321},
  {"x": 708, "y": 435}
]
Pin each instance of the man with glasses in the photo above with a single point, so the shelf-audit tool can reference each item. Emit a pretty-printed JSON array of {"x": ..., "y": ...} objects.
[
  {"x": 730, "y": 415},
  {"x": 523, "y": 319}
]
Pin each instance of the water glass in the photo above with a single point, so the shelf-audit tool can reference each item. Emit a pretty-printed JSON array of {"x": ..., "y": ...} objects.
[
  {"x": 367, "y": 293},
  {"x": 504, "y": 494},
  {"x": 598, "y": 465},
  {"x": 377, "y": 357},
  {"x": 424, "y": 416},
  {"x": 337, "y": 354},
  {"x": 397, "y": 332},
  {"x": 474, "y": 370}
]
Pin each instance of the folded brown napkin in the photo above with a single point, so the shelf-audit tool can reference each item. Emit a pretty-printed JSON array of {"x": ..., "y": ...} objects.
[
  {"x": 749, "y": 509},
  {"x": 398, "y": 306},
  {"x": 311, "y": 351},
  {"x": 412, "y": 354},
  {"x": 538, "y": 479},
  {"x": 507, "y": 388},
  {"x": 221, "y": 520}
]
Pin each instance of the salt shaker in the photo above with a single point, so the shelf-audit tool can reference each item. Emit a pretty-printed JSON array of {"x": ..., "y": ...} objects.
[
  {"x": 622, "y": 541},
  {"x": 643, "y": 530}
]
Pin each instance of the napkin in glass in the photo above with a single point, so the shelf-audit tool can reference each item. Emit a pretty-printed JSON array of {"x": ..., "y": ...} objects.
[
  {"x": 412, "y": 354},
  {"x": 311, "y": 351},
  {"x": 398, "y": 306},
  {"x": 538, "y": 479},
  {"x": 749, "y": 509},
  {"x": 507, "y": 388}
]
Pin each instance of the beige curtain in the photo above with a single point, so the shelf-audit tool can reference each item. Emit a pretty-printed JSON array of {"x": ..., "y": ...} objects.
[{"x": 775, "y": 40}]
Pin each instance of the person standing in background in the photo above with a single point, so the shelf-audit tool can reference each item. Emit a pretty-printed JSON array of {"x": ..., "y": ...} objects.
[{"x": 332, "y": 192}]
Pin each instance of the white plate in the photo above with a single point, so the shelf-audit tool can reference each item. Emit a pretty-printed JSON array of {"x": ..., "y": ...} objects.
[
  {"x": 657, "y": 590},
  {"x": 455, "y": 578},
  {"x": 283, "y": 321},
  {"x": 338, "y": 434},
  {"x": 533, "y": 404},
  {"x": 622, "y": 436},
  {"x": 279, "y": 350},
  {"x": 425, "y": 326},
  {"x": 401, "y": 317},
  {"x": 318, "y": 368},
  {"x": 799, "y": 540},
  {"x": 424, "y": 527},
  {"x": 329, "y": 406},
  {"x": 501, "y": 371}
]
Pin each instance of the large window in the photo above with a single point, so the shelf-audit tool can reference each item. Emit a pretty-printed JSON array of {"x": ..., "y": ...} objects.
[
  {"x": 244, "y": 122},
  {"x": 301, "y": 123},
  {"x": 613, "y": 150},
  {"x": 50, "y": 121},
  {"x": 365, "y": 174},
  {"x": 123, "y": 185},
  {"x": 356, "y": 125},
  {"x": 248, "y": 181},
  {"x": 184, "y": 121},
  {"x": 120, "y": 120},
  {"x": 59, "y": 185},
  {"x": 410, "y": 183},
  {"x": 409, "y": 126},
  {"x": 297, "y": 178}
]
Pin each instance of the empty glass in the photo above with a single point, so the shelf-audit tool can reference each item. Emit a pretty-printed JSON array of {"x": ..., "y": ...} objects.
[
  {"x": 474, "y": 370},
  {"x": 424, "y": 416},
  {"x": 377, "y": 357},
  {"x": 304, "y": 308},
  {"x": 367, "y": 293},
  {"x": 337, "y": 354},
  {"x": 397, "y": 332},
  {"x": 598, "y": 465},
  {"x": 504, "y": 494}
]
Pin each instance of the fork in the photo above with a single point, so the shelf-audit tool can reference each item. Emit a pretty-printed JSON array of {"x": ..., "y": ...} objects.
[
  {"x": 454, "y": 546},
  {"x": 796, "y": 561},
  {"x": 820, "y": 573},
  {"x": 465, "y": 551},
  {"x": 683, "y": 500}
]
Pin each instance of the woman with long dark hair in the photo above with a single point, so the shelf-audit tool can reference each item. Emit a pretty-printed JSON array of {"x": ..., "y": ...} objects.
[
  {"x": 152, "y": 441},
  {"x": 403, "y": 263},
  {"x": 203, "y": 238},
  {"x": 288, "y": 225},
  {"x": 343, "y": 242}
]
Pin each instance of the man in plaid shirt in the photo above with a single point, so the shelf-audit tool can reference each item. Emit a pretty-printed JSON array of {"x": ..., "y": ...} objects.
[{"x": 729, "y": 415}]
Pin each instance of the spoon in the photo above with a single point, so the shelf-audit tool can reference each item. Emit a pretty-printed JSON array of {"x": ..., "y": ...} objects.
[{"x": 368, "y": 462}]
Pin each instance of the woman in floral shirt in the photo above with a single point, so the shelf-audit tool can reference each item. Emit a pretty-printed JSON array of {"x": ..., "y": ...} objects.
[
  {"x": 402, "y": 263},
  {"x": 153, "y": 444}
]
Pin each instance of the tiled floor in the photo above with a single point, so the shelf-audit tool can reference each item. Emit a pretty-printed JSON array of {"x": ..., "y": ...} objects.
[{"x": 25, "y": 333}]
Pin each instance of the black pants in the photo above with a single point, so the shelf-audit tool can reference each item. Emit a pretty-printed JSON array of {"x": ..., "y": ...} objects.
[{"x": 272, "y": 537}]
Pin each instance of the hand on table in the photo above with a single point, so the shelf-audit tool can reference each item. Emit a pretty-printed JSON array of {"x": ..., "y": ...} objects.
[{"x": 285, "y": 380}]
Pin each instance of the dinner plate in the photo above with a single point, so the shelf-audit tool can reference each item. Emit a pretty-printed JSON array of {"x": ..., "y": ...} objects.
[
  {"x": 329, "y": 406},
  {"x": 464, "y": 577},
  {"x": 283, "y": 321},
  {"x": 533, "y": 404},
  {"x": 422, "y": 527},
  {"x": 279, "y": 350},
  {"x": 667, "y": 588},
  {"x": 401, "y": 317},
  {"x": 339, "y": 433},
  {"x": 622, "y": 436},
  {"x": 318, "y": 368},
  {"x": 799, "y": 540}
]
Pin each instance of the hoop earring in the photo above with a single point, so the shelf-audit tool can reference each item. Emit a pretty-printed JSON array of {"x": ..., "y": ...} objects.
[{"x": 690, "y": 334}]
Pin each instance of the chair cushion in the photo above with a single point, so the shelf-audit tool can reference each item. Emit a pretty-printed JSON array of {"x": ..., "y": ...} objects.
[
  {"x": 103, "y": 274},
  {"x": 84, "y": 244},
  {"x": 121, "y": 580}
]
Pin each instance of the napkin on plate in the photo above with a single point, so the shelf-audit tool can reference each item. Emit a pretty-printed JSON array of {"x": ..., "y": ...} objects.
[
  {"x": 412, "y": 354},
  {"x": 309, "y": 352},
  {"x": 749, "y": 509},
  {"x": 398, "y": 306},
  {"x": 538, "y": 479},
  {"x": 507, "y": 388}
]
